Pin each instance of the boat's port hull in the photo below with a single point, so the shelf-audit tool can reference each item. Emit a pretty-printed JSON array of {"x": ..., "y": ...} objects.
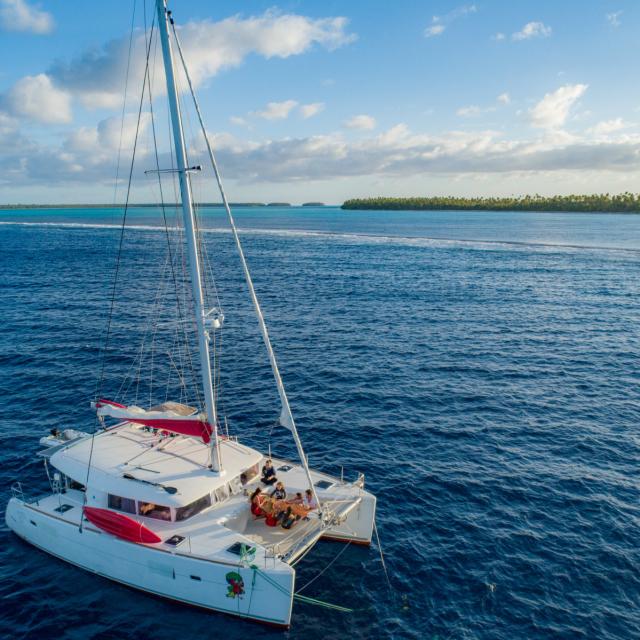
[{"x": 205, "y": 584}]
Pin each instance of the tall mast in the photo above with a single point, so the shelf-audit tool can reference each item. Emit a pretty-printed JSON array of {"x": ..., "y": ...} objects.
[
  {"x": 286, "y": 417},
  {"x": 190, "y": 233}
]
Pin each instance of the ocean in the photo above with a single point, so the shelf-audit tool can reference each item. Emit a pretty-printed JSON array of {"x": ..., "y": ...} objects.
[{"x": 480, "y": 368}]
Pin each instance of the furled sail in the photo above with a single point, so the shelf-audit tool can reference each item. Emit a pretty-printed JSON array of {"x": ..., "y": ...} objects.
[{"x": 168, "y": 420}]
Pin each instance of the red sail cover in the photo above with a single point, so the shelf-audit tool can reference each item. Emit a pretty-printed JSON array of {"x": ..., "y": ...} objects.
[
  {"x": 121, "y": 526},
  {"x": 195, "y": 425}
]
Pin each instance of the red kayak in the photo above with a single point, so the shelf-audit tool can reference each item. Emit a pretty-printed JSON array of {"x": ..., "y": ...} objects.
[{"x": 121, "y": 526}]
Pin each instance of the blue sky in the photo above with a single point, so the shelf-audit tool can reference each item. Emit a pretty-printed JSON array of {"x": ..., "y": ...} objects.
[{"x": 325, "y": 101}]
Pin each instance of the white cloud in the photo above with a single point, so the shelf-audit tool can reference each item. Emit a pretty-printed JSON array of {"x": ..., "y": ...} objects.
[
  {"x": 362, "y": 121},
  {"x": 238, "y": 121},
  {"x": 18, "y": 15},
  {"x": 310, "y": 110},
  {"x": 552, "y": 111},
  {"x": 439, "y": 23},
  {"x": 434, "y": 30},
  {"x": 276, "y": 110},
  {"x": 532, "y": 30},
  {"x": 498, "y": 36},
  {"x": 614, "y": 18},
  {"x": 97, "y": 76},
  {"x": 36, "y": 98},
  {"x": 87, "y": 156},
  {"x": 608, "y": 126},
  {"x": 504, "y": 98},
  {"x": 470, "y": 111}
]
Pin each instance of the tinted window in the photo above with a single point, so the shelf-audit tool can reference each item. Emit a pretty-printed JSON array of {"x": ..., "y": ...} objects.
[
  {"x": 151, "y": 510},
  {"x": 251, "y": 473},
  {"x": 122, "y": 504},
  {"x": 182, "y": 513}
]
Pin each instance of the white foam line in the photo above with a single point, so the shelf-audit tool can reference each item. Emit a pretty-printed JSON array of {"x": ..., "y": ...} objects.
[{"x": 360, "y": 238}]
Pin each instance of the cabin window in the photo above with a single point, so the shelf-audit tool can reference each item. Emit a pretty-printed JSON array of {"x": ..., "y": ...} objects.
[
  {"x": 221, "y": 493},
  {"x": 78, "y": 486},
  {"x": 122, "y": 504},
  {"x": 235, "y": 486},
  {"x": 249, "y": 474},
  {"x": 182, "y": 513},
  {"x": 152, "y": 510}
]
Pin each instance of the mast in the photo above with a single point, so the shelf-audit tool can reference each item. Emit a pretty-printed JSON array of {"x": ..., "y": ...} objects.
[
  {"x": 286, "y": 417},
  {"x": 190, "y": 233}
]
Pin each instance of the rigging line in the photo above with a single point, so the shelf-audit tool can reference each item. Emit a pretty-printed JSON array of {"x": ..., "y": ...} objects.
[
  {"x": 384, "y": 564},
  {"x": 124, "y": 221},
  {"x": 325, "y": 569},
  {"x": 168, "y": 238},
  {"x": 124, "y": 103},
  {"x": 284, "y": 400},
  {"x": 115, "y": 278}
]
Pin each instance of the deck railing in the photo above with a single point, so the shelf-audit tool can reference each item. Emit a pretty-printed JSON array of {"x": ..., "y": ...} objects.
[{"x": 18, "y": 493}]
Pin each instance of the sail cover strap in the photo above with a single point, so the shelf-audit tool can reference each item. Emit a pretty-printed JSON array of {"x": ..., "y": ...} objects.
[{"x": 195, "y": 425}]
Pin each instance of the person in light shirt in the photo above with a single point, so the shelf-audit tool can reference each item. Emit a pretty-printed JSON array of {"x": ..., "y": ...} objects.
[{"x": 309, "y": 501}]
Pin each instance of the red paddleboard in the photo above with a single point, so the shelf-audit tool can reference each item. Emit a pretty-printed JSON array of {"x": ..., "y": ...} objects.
[{"x": 121, "y": 526}]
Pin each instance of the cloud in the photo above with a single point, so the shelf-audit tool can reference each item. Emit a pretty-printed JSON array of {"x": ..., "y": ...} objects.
[
  {"x": 532, "y": 30},
  {"x": 276, "y": 110},
  {"x": 614, "y": 18},
  {"x": 608, "y": 126},
  {"x": 87, "y": 157},
  {"x": 18, "y": 15},
  {"x": 440, "y": 23},
  {"x": 310, "y": 110},
  {"x": 498, "y": 36},
  {"x": 362, "y": 121},
  {"x": 434, "y": 30},
  {"x": 35, "y": 98},
  {"x": 97, "y": 75},
  {"x": 470, "y": 111},
  {"x": 238, "y": 121},
  {"x": 504, "y": 98},
  {"x": 552, "y": 111}
]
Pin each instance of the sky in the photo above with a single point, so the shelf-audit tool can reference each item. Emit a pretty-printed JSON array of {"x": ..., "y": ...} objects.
[{"x": 309, "y": 101}]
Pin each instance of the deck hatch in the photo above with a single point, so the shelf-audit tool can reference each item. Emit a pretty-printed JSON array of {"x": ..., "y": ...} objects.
[
  {"x": 174, "y": 541},
  {"x": 63, "y": 508},
  {"x": 237, "y": 548},
  {"x": 323, "y": 484}
]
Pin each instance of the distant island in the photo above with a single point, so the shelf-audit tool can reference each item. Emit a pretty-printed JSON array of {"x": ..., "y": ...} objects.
[
  {"x": 279, "y": 204},
  {"x": 313, "y": 204},
  {"x": 606, "y": 203}
]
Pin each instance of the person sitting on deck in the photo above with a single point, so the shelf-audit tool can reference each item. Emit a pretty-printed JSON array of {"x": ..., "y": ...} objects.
[
  {"x": 257, "y": 500},
  {"x": 298, "y": 499},
  {"x": 268, "y": 473},
  {"x": 309, "y": 500},
  {"x": 279, "y": 493},
  {"x": 288, "y": 519}
]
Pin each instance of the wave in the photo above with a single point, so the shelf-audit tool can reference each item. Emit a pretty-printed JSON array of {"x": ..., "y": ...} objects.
[{"x": 359, "y": 238}]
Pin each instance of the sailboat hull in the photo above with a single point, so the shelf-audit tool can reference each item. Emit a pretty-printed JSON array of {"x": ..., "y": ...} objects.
[{"x": 259, "y": 595}]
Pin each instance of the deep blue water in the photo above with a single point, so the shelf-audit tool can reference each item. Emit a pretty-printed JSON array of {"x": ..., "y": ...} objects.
[{"x": 485, "y": 381}]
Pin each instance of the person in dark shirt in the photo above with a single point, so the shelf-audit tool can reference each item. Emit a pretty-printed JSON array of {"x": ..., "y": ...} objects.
[
  {"x": 279, "y": 493},
  {"x": 268, "y": 473}
]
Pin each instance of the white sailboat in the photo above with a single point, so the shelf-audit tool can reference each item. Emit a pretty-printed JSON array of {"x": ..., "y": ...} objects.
[{"x": 160, "y": 501}]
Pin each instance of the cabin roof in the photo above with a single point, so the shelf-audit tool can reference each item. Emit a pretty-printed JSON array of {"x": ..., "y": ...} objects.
[{"x": 180, "y": 462}]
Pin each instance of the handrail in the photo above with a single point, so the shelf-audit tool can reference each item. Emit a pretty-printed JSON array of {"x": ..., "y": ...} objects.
[{"x": 18, "y": 493}]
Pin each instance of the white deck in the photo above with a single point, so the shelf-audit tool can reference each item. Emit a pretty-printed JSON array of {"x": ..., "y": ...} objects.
[{"x": 182, "y": 463}]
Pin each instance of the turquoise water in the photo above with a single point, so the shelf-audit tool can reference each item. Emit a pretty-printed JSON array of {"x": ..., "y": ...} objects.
[
  {"x": 481, "y": 369},
  {"x": 580, "y": 229}
]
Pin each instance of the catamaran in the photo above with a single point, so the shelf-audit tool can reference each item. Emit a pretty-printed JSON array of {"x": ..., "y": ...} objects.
[{"x": 160, "y": 499}]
